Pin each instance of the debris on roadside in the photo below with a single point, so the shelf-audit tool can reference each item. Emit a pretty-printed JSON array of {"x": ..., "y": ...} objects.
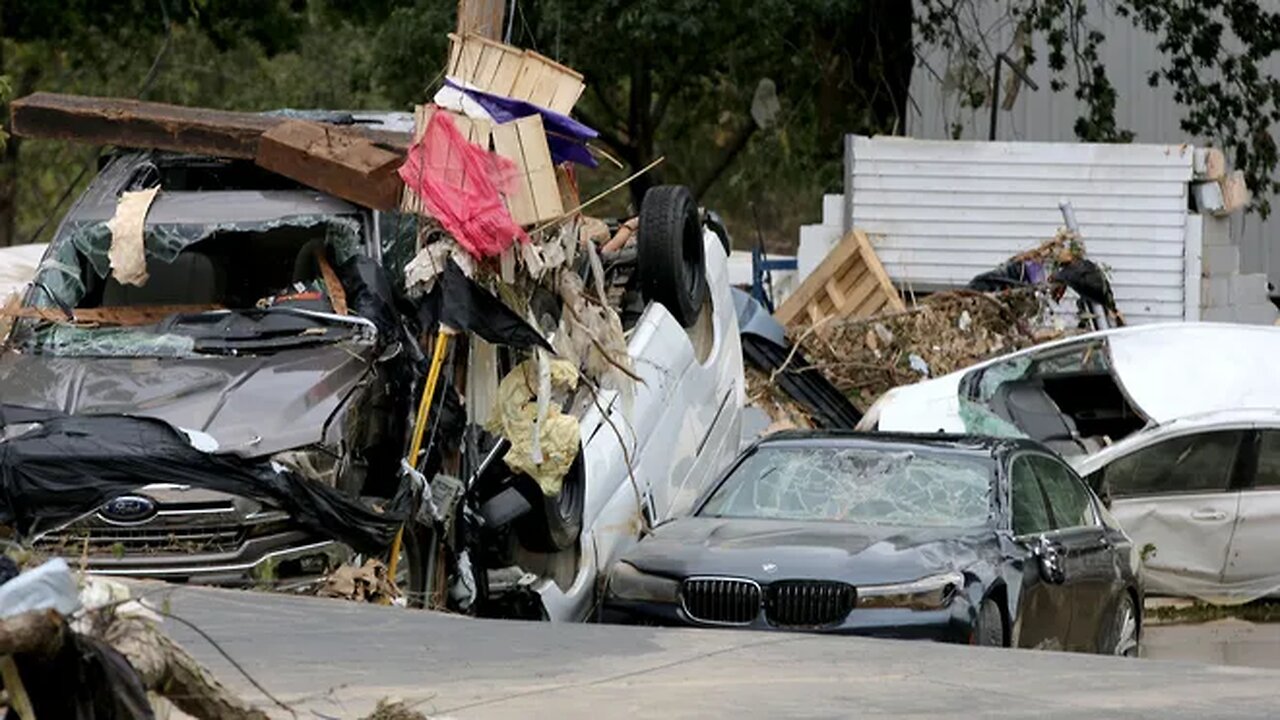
[
  {"x": 94, "y": 651},
  {"x": 390, "y": 709},
  {"x": 367, "y": 583}
]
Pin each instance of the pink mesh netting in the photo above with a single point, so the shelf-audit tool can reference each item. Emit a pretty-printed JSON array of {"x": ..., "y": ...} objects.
[{"x": 461, "y": 185}]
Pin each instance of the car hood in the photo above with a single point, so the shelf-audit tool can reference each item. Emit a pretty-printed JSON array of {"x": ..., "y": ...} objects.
[
  {"x": 250, "y": 405},
  {"x": 768, "y": 550}
]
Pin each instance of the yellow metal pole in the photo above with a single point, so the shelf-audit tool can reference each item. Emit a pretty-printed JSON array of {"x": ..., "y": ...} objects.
[{"x": 419, "y": 429}]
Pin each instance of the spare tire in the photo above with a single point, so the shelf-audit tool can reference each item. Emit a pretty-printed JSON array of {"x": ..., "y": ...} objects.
[{"x": 669, "y": 253}]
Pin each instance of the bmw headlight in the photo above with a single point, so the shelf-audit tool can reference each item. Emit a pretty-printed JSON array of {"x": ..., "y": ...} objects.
[
  {"x": 628, "y": 583},
  {"x": 931, "y": 593}
]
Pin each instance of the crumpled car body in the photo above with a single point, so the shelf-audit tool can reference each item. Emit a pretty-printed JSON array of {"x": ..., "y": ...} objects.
[
  {"x": 649, "y": 459},
  {"x": 894, "y": 536},
  {"x": 1171, "y": 423},
  {"x": 295, "y": 387}
]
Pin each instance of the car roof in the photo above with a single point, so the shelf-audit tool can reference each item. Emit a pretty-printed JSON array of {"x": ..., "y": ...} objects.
[{"x": 971, "y": 444}]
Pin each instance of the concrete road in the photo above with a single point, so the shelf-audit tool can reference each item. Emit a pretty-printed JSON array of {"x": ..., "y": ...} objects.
[
  {"x": 337, "y": 659},
  {"x": 1221, "y": 642}
]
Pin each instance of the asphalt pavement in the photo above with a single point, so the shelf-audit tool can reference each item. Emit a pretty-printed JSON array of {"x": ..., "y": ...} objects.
[{"x": 329, "y": 658}]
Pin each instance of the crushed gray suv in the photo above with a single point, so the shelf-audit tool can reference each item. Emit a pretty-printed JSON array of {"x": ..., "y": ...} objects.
[{"x": 263, "y": 334}]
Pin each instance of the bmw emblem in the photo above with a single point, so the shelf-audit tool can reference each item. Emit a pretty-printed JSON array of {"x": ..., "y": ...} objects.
[
  {"x": 128, "y": 509},
  {"x": 770, "y": 568}
]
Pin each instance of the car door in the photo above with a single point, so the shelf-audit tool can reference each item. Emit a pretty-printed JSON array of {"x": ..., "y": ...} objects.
[
  {"x": 1044, "y": 608},
  {"x": 1253, "y": 569},
  {"x": 1092, "y": 578},
  {"x": 1175, "y": 499}
]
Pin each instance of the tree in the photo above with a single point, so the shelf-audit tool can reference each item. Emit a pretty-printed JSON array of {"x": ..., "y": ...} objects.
[
  {"x": 1211, "y": 50},
  {"x": 52, "y": 44}
]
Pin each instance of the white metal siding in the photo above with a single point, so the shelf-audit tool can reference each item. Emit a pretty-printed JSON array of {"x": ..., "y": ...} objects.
[
  {"x": 941, "y": 212},
  {"x": 1151, "y": 113}
]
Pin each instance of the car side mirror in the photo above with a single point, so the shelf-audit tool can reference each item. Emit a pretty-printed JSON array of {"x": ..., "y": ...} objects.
[{"x": 1049, "y": 558}]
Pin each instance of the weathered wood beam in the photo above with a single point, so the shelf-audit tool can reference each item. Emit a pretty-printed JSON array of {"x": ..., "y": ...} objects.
[
  {"x": 334, "y": 160},
  {"x": 137, "y": 124}
]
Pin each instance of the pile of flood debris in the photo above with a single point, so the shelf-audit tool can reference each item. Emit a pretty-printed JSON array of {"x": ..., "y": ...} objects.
[{"x": 866, "y": 349}]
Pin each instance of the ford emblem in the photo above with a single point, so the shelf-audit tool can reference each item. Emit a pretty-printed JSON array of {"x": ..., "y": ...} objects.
[{"x": 128, "y": 509}]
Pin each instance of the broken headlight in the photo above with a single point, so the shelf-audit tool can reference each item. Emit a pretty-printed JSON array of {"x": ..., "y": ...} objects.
[
  {"x": 628, "y": 583},
  {"x": 931, "y": 593}
]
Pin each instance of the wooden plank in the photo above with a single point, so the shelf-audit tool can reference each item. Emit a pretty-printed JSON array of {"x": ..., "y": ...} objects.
[
  {"x": 1209, "y": 164},
  {"x": 540, "y": 168},
  {"x": 506, "y": 142},
  {"x": 850, "y": 282},
  {"x": 136, "y": 124},
  {"x": 872, "y": 261},
  {"x": 334, "y": 161}
]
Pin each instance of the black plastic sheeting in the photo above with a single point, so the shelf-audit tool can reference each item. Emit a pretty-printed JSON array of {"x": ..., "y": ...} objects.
[
  {"x": 67, "y": 466},
  {"x": 764, "y": 347},
  {"x": 458, "y": 302}
]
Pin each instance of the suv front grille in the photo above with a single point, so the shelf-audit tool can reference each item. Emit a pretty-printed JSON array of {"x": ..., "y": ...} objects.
[
  {"x": 721, "y": 601},
  {"x": 106, "y": 541},
  {"x": 808, "y": 603}
]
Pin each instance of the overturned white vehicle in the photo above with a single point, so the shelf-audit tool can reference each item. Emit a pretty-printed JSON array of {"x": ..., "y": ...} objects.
[{"x": 1177, "y": 426}]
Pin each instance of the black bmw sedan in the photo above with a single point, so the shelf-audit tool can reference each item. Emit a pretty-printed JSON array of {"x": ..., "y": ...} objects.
[{"x": 961, "y": 539}]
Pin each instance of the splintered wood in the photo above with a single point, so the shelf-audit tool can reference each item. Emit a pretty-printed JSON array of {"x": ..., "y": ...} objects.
[
  {"x": 475, "y": 131},
  {"x": 850, "y": 283},
  {"x": 500, "y": 69},
  {"x": 537, "y": 197}
]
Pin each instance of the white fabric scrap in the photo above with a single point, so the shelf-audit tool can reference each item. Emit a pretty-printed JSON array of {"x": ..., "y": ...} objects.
[
  {"x": 48, "y": 586},
  {"x": 128, "y": 254},
  {"x": 421, "y": 272},
  {"x": 451, "y": 98},
  {"x": 544, "y": 405}
]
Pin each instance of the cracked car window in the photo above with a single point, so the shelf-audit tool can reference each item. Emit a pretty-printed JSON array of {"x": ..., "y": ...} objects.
[{"x": 858, "y": 485}]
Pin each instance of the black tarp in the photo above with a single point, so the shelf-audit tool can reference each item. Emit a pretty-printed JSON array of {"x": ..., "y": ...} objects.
[
  {"x": 458, "y": 302},
  {"x": 69, "y": 465},
  {"x": 86, "y": 680}
]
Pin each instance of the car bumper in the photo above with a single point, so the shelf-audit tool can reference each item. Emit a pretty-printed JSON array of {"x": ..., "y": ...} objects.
[
  {"x": 953, "y": 624},
  {"x": 285, "y": 557}
]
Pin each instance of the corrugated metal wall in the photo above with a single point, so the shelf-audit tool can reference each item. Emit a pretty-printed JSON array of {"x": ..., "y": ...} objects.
[
  {"x": 1151, "y": 113},
  {"x": 941, "y": 212}
]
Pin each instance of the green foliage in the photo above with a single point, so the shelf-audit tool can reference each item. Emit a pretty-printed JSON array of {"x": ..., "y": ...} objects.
[{"x": 1211, "y": 56}]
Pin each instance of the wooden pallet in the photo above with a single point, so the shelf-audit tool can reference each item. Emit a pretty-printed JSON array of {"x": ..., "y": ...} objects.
[
  {"x": 850, "y": 283},
  {"x": 500, "y": 69}
]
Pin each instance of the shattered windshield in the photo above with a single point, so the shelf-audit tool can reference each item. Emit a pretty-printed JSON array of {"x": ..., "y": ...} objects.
[
  {"x": 918, "y": 488},
  {"x": 249, "y": 269}
]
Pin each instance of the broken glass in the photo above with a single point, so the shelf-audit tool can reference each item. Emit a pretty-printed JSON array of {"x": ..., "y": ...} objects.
[
  {"x": 980, "y": 420},
  {"x": 72, "y": 341},
  {"x": 996, "y": 375},
  {"x": 917, "y": 488},
  {"x": 82, "y": 242}
]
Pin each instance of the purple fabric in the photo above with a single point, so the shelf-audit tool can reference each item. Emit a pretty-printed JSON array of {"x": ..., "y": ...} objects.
[
  {"x": 566, "y": 137},
  {"x": 1034, "y": 271}
]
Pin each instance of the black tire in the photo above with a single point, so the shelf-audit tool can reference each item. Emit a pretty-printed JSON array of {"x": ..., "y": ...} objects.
[
  {"x": 989, "y": 631},
  {"x": 416, "y": 564},
  {"x": 554, "y": 523},
  {"x": 669, "y": 253},
  {"x": 1120, "y": 635}
]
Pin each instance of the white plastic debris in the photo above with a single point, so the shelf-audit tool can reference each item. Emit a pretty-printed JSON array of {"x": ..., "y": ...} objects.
[
  {"x": 463, "y": 591},
  {"x": 50, "y": 585},
  {"x": 965, "y": 321},
  {"x": 918, "y": 364}
]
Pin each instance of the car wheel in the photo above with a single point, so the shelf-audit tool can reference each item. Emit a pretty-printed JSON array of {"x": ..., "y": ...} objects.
[
  {"x": 416, "y": 568},
  {"x": 989, "y": 631},
  {"x": 1122, "y": 632},
  {"x": 554, "y": 523},
  {"x": 669, "y": 252}
]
